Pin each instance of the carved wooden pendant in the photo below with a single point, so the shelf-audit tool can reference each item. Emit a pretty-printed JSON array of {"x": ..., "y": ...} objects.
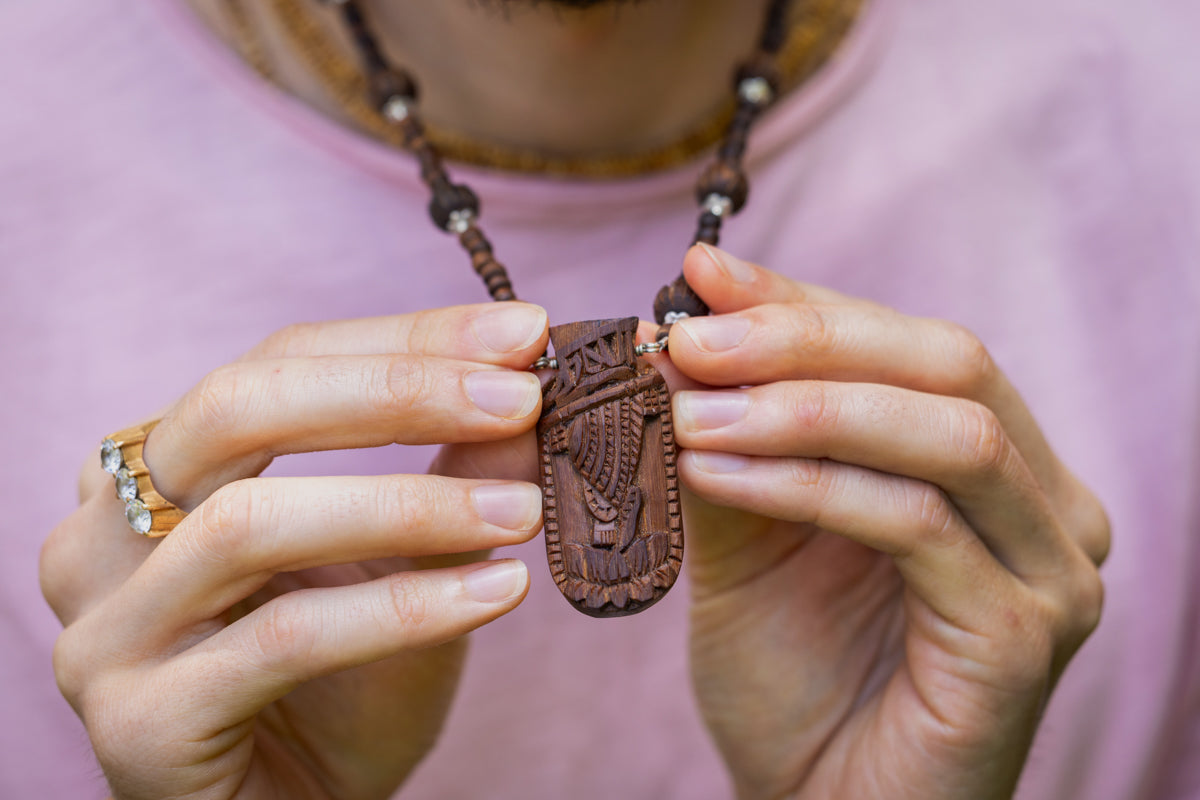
[{"x": 614, "y": 532}]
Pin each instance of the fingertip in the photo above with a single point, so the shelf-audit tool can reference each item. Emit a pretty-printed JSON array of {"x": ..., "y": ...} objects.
[
  {"x": 715, "y": 334},
  {"x": 715, "y": 462},
  {"x": 508, "y": 394},
  {"x": 705, "y": 262},
  {"x": 510, "y": 328},
  {"x": 503, "y": 582},
  {"x": 515, "y": 506}
]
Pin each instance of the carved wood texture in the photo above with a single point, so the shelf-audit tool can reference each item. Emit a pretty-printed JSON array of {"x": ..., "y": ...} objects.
[{"x": 614, "y": 531}]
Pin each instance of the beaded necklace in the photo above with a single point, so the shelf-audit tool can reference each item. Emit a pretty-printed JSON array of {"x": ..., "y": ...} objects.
[
  {"x": 272, "y": 32},
  {"x": 614, "y": 527}
]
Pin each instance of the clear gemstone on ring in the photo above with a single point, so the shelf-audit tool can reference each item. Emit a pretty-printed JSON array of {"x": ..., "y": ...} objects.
[
  {"x": 110, "y": 457},
  {"x": 138, "y": 516},
  {"x": 127, "y": 488}
]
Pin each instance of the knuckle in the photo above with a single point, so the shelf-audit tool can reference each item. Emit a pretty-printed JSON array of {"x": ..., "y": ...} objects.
[
  {"x": 812, "y": 408},
  {"x": 1090, "y": 602},
  {"x": 55, "y": 565},
  {"x": 804, "y": 472},
  {"x": 405, "y": 503},
  {"x": 284, "y": 634},
  {"x": 1097, "y": 540},
  {"x": 408, "y": 382},
  {"x": 983, "y": 442},
  {"x": 293, "y": 340},
  {"x": 1083, "y": 603},
  {"x": 217, "y": 403},
  {"x": 70, "y": 663},
  {"x": 224, "y": 520},
  {"x": 932, "y": 516},
  {"x": 812, "y": 330},
  {"x": 972, "y": 366},
  {"x": 411, "y": 601},
  {"x": 1093, "y": 530},
  {"x": 418, "y": 331},
  {"x": 928, "y": 518}
]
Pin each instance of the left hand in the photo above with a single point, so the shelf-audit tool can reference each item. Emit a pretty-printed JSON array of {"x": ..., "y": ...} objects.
[{"x": 890, "y": 568}]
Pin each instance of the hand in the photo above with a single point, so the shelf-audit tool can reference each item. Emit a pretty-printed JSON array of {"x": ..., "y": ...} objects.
[
  {"x": 890, "y": 568},
  {"x": 281, "y": 641}
]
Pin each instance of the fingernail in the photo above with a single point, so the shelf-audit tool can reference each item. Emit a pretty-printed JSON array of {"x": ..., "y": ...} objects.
[
  {"x": 515, "y": 506},
  {"x": 739, "y": 271},
  {"x": 495, "y": 582},
  {"x": 511, "y": 395},
  {"x": 707, "y": 410},
  {"x": 718, "y": 463},
  {"x": 509, "y": 326},
  {"x": 715, "y": 334}
]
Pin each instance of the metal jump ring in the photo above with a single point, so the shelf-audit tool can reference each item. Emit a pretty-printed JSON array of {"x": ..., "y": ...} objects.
[{"x": 642, "y": 349}]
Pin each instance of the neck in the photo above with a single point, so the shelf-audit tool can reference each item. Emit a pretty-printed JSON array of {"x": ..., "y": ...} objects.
[{"x": 617, "y": 77}]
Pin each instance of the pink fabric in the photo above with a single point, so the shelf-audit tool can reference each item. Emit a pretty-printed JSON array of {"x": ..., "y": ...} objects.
[{"x": 1026, "y": 167}]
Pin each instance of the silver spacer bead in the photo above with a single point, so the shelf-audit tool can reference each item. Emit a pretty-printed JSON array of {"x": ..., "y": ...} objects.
[
  {"x": 396, "y": 108},
  {"x": 671, "y": 317},
  {"x": 652, "y": 347},
  {"x": 718, "y": 204},
  {"x": 545, "y": 363},
  {"x": 756, "y": 90},
  {"x": 461, "y": 220}
]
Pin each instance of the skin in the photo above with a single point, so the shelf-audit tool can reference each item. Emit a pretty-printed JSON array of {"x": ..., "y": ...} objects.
[
  {"x": 617, "y": 77},
  {"x": 890, "y": 568},
  {"x": 307, "y": 631}
]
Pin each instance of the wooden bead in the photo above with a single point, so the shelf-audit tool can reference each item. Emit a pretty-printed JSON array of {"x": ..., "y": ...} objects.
[
  {"x": 387, "y": 83},
  {"x": 708, "y": 231},
  {"x": 414, "y": 137},
  {"x": 775, "y": 28},
  {"x": 432, "y": 171},
  {"x": 677, "y": 296},
  {"x": 474, "y": 242},
  {"x": 448, "y": 198},
  {"x": 494, "y": 275},
  {"x": 725, "y": 179},
  {"x": 363, "y": 40},
  {"x": 733, "y": 146}
]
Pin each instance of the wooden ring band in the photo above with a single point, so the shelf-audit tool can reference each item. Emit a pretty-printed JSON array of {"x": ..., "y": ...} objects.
[{"x": 146, "y": 511}]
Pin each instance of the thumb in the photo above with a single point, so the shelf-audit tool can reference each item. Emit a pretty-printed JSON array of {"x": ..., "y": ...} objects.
[{"x": 509, "y": 459}]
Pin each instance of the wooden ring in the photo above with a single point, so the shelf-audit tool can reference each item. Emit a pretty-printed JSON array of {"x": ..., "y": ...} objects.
[{"x": 146, "y": 511}]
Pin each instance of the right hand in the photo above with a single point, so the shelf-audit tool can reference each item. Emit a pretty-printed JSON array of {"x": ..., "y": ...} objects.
[{"x": 288, "y": 638}]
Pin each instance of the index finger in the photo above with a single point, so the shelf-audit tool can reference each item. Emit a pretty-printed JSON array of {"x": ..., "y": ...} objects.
[
  {"x": 728, "y": 283},
  {"x": 506, "y": 334}
]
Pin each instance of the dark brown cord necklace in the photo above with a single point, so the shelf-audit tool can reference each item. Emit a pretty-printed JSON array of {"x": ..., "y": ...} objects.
[{"x": 614, "y": 528}]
